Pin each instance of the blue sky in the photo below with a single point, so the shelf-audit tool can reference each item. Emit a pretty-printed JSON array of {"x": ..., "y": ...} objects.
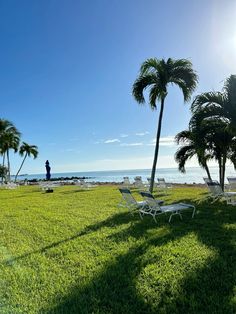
[{"x": 67, "y": 69}]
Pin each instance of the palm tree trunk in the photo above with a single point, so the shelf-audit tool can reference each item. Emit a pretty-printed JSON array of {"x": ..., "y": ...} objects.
[
  {"x": 3, "y": 163},
  {"x": 20, "y": 167},
  {"x": 8, "y": 166},
  {"x": 223, "y": 172},
  {"x": 3, "y": 159},
  {"x": 208, "y": 172},
  {"x": 157, "y": 146},
  {"x": 220, "y": 170}
]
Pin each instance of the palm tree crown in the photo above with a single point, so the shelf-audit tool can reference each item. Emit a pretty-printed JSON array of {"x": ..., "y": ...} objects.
[
  {"x": 192, "y": 144},
  {"x": 157, "y": 74},
  {"x": 28, "y": 150}
]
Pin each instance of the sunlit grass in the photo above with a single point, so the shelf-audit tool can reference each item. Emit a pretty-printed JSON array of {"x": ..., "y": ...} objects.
[{"x": 74, "y": 251}]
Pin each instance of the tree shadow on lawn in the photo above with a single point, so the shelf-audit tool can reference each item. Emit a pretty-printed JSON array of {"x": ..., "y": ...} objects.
[
  {"x": 208, "y": 288},
  {"x": 115, "y": 220},
  {"x": 76, "y": 191}
]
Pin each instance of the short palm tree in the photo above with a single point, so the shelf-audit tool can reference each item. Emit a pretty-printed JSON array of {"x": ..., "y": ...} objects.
[
  {"x": 192, "y": 145},
  {"x": 26, "y": 150},
  {"x": 216, "y": 112},
  {"x": 9, "y": 139},
  {"x": 6, "y": 127},
  {"x": 156, "y": 75}
]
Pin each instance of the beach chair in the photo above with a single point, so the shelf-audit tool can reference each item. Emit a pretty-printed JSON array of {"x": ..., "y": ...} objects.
[
  {"x": 232, "y": 183},
  {"x": 128, "y": 201},
  {"x": 206, "y": 179},
  {"x": 48, "y": 186},
  {"x": 126, "y": 181},
  {"x": 11, "y": 185},
  {"x": 138, "y": 183},
  {"x": 154, "y": 208},
  {"x": 85, "y": 184},
  {"x": 149, "y": 182},
  {"x": 162, "y": 185},
  {"x": 217, "y": 192}
]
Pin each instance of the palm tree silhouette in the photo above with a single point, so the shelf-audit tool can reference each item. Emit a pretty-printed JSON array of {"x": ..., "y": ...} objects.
[
  {"x": 9, "y": 139},
  {"x": 156, "y": 75},
  {"x": 192, "y": 145},
  {"x": 216, "y": 113},
  {"x": 26, "y": 150}
]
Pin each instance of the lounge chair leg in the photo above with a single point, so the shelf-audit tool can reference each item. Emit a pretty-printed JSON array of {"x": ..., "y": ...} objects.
[
  {"x": 170, "y": 217},
  {"x": 193, "y": 212},
  {"x": 154, "y": 217},
  {"x": 140, "y": 215},
  {"x": 180, "y": 216}
]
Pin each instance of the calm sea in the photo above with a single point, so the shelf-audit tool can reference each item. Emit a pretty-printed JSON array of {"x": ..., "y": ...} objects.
[{"x": 193, "y": 174}]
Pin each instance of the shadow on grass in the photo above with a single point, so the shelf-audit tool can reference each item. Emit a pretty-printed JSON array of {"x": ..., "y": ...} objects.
[
  {"x": 78, "y": 190},
  {"x": 206, "y": 289},
  {"x": 115, "y": 220}
]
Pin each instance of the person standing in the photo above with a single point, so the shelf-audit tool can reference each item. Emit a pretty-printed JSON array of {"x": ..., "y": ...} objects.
[{"x": 48, "y": 169}]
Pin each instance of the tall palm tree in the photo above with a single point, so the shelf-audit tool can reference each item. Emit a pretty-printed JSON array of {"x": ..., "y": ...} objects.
[
  {"x": 9, "y": 139},
  {"x": 192, "y": 145},
  {"x": 5, "y": 127},
  {"x": 26, "y": 150},
  {"x": 156, "y": 75},
  {"x": 216, "y": 112}
]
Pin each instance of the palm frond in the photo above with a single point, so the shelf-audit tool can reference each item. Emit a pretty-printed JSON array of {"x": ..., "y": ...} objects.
[
  {"x": 141, "y": 83},
  {"x": 150, "y": 65},
  {"x": 216, "y": 99},
  {"x": 183, "y": 154},
  {"x": 183, "y": 137}
]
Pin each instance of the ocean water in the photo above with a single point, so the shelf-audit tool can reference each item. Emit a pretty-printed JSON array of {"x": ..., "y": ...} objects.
[{"x": 172, "y": 175}]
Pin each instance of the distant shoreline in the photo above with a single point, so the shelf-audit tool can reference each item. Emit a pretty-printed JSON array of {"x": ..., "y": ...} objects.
[{"x": 171, "y": 175}]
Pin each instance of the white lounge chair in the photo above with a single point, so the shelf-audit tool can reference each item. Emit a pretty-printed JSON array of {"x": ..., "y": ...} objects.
[
  {"x": 149, "y": 182},
  {"x": 11, "y": 185},
  {"x": 162, "y": 185},
  {"x": 130, "y": 202},
  {"x": 85, "y": 184},
  {"x": 232, "y": 183},
  {"x": 126, "y": 181},
  {"x": 138, "y": 183},
  {"x": 206, "y": 179},
  {"x": 217, "y": 192},
  {"x": 154, "y": 209},
  {"x": 49, "y": 185}
]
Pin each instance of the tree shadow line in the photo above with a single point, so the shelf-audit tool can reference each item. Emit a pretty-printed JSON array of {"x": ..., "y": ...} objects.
[{"x": 208, "y": 289}]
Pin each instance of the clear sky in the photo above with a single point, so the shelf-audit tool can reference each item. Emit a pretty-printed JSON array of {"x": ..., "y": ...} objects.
[{"x": 67, "y": 69}]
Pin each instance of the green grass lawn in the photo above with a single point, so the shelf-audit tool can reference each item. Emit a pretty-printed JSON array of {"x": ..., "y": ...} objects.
[{"x": 74, "y": 251}]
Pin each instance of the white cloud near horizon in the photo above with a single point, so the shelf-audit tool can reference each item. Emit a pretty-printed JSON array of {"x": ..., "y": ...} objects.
[
  {"x": 142, "y": 133},
  {"x": 115, "y": 140},
  {"x": 131, "y": 144},
  {"x": 124, "y": 135},
  {"x": 164, "y": 141},
  {"x": 164, "y": 161}
]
